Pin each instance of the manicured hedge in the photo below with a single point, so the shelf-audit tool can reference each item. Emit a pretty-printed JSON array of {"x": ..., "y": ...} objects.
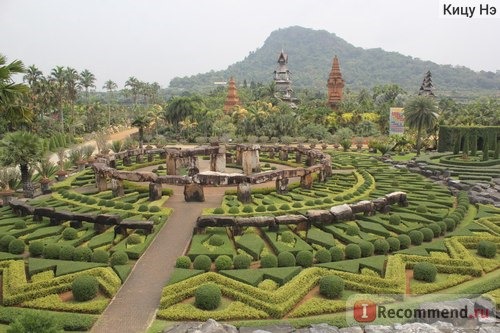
[
  {"x": 331, "y": 286},
  {"x": 424, "y": 271},
  {"x": 207, "y": 296}
]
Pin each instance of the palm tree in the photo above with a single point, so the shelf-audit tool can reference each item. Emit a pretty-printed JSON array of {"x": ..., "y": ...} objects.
[
  {"x": 421, "y": 115},
  {"x": 87, "y": 80},
  {"x": 135, "y": 87},
  {"x": 181, "y": 107},
  {"x": 141, "y": 122},
  {"x": 110, "y": 86},
  {"x": 11, "y": 93},
  {"x": 24, "y": 149},
  {"x": 155, "y": 115},
  {"x": 58, "y": 79}
]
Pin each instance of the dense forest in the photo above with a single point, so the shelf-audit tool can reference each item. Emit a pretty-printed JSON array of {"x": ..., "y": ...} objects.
[{"x": 310, "y": 59}]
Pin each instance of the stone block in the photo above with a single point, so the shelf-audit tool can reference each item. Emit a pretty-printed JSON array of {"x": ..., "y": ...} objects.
[
  {"x": 244, "y": 193},
  {"x": 155, "y": 191},
  {"x": 194, "y": 192}
]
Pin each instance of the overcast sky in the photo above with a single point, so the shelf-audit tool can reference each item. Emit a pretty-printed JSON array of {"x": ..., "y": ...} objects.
[{"x": 157, "y": 40}]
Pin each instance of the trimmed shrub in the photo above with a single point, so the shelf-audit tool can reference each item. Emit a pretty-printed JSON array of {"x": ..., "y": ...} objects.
[
  {"x": 442, "y": 227},
  {"x": 352, "y": 230},
  {"x": 234, "y": 210},
  {"x": 154, "y": 209},
  {"x": 436, "y": 229},
  {"x": 431, "y": 196},
  {"x": 450, "y": 223},
  {"x": 485, "y": 249},
  {"x": 17, "y": 246},
  {"x": 427, "y": 233},
  {"x": 119, "y": 258},
  {"x": 84, "y": 288},
  {"x": 216, "y": 240},
  {"x": 31, "y": 321},
  {"x": 67, "y": 252},
  {"x": 394, "y": 244},
  {"x": 268, "y": 284},
  {"x": 404, "y": 241},
  {"x": 304, "y": 258},
  {"x": 367, "y": 248},
  {"x": 127, "y": 206},
  {"x": 416, "y": 237},
  {"x": 100, "y": 256},
  {"x": 202, "y": 262},
  {"x": 331, "y": 286},
  {"x": 207, "y": 296},
  {"x": 260, "y": 209},
  {"x": 143, "y": 208},
  {"x": 134, "y": 239},
  {"x": 269, "y": 261},
  {"x": 70, "y": 233},
  {"x": 287, "y": 237},
  {"x": 21, "y": 224},
  {"x": 91, "y": 201},
  {"x": 425, "y": 271},
  {"x": 381, "y": 246},
  {"x": 285, "y": 207},
  {"x": 427, "y": 186},
  {"x": 82, "y": 254},
  {"x": 309, "y": 203},
  {"x": 422, "y": 209},
  {"x": 336, "y": 253},
  {"x": 51, "y": 251},
  {"x": 352, "y": 251},
  {"x": 247, "y": 209},
  {"x": 218, "y": 210},
  {"x": 395, "y": 219},
  {"x": 271, "y": 208},
  {"x": 5, "y": 241},
  {"x": 183, "y": 262},
  {"x": 286, "y": 259},
  {"x": 297, "y": 205},
  {"x": 36, "y": 248},
  {"x": 323, "y": 256},
  {"x": 241, "y": 261},
  {"x": 223, "y": 262}
]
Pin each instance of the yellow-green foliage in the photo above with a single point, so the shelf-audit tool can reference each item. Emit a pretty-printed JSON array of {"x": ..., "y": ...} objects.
[
  {"x": 419, "y": 287},
  {"x": 235, "y": 310},
  {"x": 54, "y": 302}
]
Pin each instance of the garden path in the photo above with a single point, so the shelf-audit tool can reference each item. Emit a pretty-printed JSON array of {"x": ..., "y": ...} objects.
[{"x": 134, "y": 306}]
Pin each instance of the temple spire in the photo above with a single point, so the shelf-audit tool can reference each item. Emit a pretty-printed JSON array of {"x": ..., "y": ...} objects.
[
  {"x": 282, "y": 80},
  {"x": 426, "y": 87},
  {"x": 335, "y": 85},
  {"x": 232, "y": 98}
]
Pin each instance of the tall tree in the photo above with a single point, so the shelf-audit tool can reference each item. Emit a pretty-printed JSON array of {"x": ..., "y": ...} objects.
[
  {"x": 181, "y": 107},
  {"x": 421, "y": 115},
  {"x": 110, "y": 86},
  {"x": 87, "y": 80},
  {"x": 134, "y": 86},
  {"x": 141, "y": 122},
  {"x": 23, "y": 149}
]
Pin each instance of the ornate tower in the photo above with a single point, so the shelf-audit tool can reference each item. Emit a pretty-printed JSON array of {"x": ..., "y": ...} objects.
[
  {"x": 335, "y": 85},
  {"x": 426, "y": 87},
  {"x": 282, "y": 82},
  {"x": 232, "y": 98}
]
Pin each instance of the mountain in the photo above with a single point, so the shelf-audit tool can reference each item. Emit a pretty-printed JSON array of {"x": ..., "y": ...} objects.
[{"x": 310, "y": 54}]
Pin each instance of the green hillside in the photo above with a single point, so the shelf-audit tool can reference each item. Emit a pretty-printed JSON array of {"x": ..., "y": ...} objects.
[{"x": 310, "y": 59}]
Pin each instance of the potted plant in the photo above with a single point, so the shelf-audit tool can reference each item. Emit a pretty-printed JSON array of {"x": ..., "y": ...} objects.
[
  {"x": 45, "y": 170},
  {"x": 9, "y": 177},
  {"x": 61, "y": 174}
]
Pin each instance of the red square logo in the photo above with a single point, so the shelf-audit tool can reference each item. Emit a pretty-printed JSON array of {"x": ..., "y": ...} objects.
[{"x": 364, "y": 311}]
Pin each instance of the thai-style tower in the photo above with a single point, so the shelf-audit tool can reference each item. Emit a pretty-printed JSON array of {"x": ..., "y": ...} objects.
[
  {"x": 282, "y": 82},
  {"x": 232, "y": 98},
  {"x": 426, "y": 87},
  {"x": 335, "y": 85}
]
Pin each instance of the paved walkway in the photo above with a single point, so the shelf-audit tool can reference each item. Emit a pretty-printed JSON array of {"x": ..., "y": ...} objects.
[{"x": 134, "y": 307}]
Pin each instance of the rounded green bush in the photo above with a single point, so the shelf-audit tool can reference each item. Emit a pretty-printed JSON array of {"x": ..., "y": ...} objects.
[
  {"x": 422, "y": 209},
  {"x": 352, "y": 251},
  {"x": 269, "y": 261},
  {"x": 271, "y": 208},
  {"x": 260, "y": 209},
  {"x": 109, "y": 203},
  {"x": 134, "y": 239},
  {"x": 119, "y": 258},
  {"x": 36, "y": 248},
  {"x": 218, "y": 210},
  {"x": 323, "y": 256},
  {"x": 286, "y": 259},
  {"x": 234, "y": 210},
  {"x": 17, "y": 246},
  {"x": 304, "y": 258},
  {"x": 331, "y": 286},
  {"x": 143, "y": 208},
  {"x": 154, "y": 209},
  {"x": 102, "y": 202},
  {"x": 352, "y": 230},
  {"x": 367, "y": 248},
  {"x": 202, "y": 262},
  {"x": 67, "y": 252},
  {"x": 381, "y": 246},
  {"x": 84, "y": 288},
  {"x": 450, "y": 223},
  {"x": 442, "y": 227},
  {"x": 268, "y": 284},
  {"x": 416, "y": 237},
  {"x": 309, "y": 203},
  {"x": 127, "y": 206},
  {"x": 395, "y": 219},
  {"x": 241, "y": 261},
  {"x": 223, "y": 262},
  {"x": 91, "y": 201},
  {"x": 70, "y": 233},
  {"x": 100, "y": 256},
  {"x": 487, "y": 249},
  {"x": 21, "y": 224},
  {"x": 51, "y": 251},
  {"x": 318, "y": 201},
  {"x": 427, "y": 186},
  {"x": 207, "y": 296},
  {"x": 247, "y": 209},
  {"x": 427, "y": 233},
  {"x": 216, "y": 240},
  {"x": 285, "y": 207},
  {"x": 119, "y": 205},
  {"x": 183, "y": 262},
  {"x": 425, "y": 271},
  {"x": 436, "y": 229},
  {"x": 287, "y": 237},
  {"x": 336, "y": 253},
  {"x": 297, "y": 205},
  {"x": 328, "y": 200},
  {"x": 82, "y": 254},
  {"x": 5, "y": 241},
  {"x": 404, "y": 241},
  {"x": 394, "y": 244}
]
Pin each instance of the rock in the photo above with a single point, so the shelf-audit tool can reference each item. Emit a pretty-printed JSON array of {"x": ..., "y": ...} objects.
[
  {"x": 354, "y": 329},
  {"x": 465, "y": 307},
  {"x": 280, "y": 328},
  {"x": 211, "y": 326},
  {"x": 194, "y": 192},
  {"x": 323, "y": 328},
  {"x": 416, "y": 328},
  {"x": 244, "y": 193},
  {"x": 489, "y": 329},
  {"x": 443, "y": 327},
  {"x": 378, "y": 329},
  {"x": 181, "y": 328}
]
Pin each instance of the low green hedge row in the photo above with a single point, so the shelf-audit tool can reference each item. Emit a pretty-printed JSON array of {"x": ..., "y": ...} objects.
[
  {"x": 450, "y": 281},
  {"x": 54, "y": 302},
  {"x": 234, "y": 311}
]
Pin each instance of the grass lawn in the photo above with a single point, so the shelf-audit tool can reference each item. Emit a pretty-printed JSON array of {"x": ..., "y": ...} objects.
[{"x": 403, "y": 158}]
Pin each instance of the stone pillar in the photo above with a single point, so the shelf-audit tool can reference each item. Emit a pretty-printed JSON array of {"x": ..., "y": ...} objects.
[
  {"x": 100, "y": 228},
  {"x": 112, "y": 163},
  {"x": 239, "y": 156},
  {"x": 244, "y": 193},
  {"x": 127, "y": 161},
  {"x": 284, "y": 155},
  {"x": 163, "y": 155},
  {"x": 155, "y": 191},
  {"x": 101, "y": 182},
  {"x": 271, "y": 153},
  {"x": 139, "y": 158},
  {"x": 322, "y": 176},
  {"x": 77, "y": 224},
  {"x": 194, "y": 193},
  {"x": 172, "y": 165},
  {"x": 298, "y": 157},
  {"x": 306, "y": 181},
  {"x": 281, "y": 185},
  {"x": 250, "y": 161},
  {"x": 117, "y": 188},
  {"x": 310, "y": 160},
  {"x": 151, "y": 157}
]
